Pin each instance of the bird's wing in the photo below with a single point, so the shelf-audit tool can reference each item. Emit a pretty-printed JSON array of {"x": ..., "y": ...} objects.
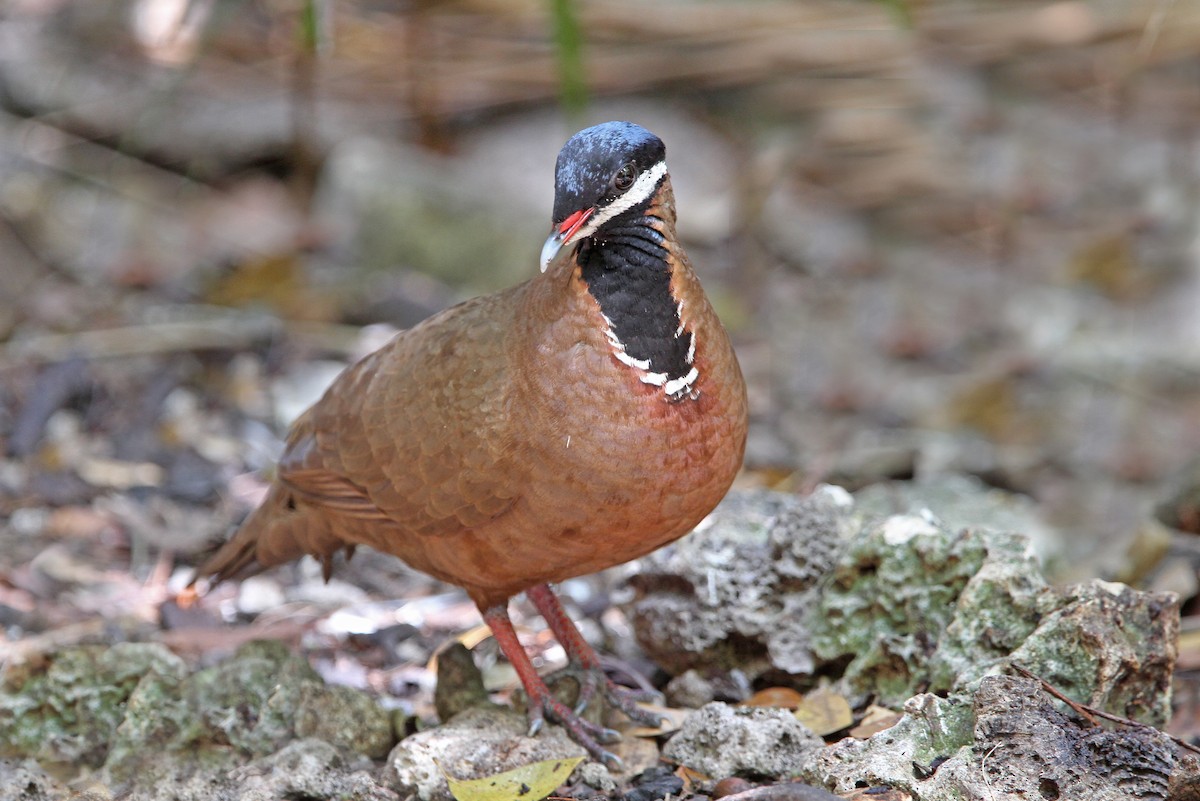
[{"x": 416, "y": 433}]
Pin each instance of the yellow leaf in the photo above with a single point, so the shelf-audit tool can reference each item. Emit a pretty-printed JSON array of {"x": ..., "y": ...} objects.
[
  {"x": 526, "y": 783},
  {"x": 824, "y": 712}
]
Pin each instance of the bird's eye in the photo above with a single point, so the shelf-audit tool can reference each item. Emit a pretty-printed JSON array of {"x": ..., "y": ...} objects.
[{"x": 625, "y": 177}]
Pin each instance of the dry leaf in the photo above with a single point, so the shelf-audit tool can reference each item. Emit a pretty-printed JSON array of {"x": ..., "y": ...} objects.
[
  {"x": 878, "y": 794},
  {"x": 825, "y": 712},
  {"x": 691, "y": 778},
  {"x": 784, "y": 697},
  {"x": 876, "y": 719},
  {"x": 527, "y": 783}
]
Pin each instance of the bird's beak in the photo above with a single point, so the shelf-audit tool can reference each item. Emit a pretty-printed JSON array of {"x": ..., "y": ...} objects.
[{"x": 562, "y": 235}]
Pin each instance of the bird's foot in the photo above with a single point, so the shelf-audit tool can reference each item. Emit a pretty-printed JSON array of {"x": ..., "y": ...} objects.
[
  {"x": 592, "y": 680},
  {"x": 591, "y": 736}
]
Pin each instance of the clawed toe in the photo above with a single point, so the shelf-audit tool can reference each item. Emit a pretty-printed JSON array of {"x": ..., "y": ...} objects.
[
  {"x": 587, "y": 734},
  {"x": 626, "y": 700}
]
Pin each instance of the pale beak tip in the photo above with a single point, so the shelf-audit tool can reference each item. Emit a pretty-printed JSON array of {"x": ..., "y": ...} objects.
[{"x": 553, "y": 244}]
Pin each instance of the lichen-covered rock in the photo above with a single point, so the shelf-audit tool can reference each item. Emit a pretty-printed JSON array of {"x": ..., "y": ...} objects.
[
  {"x": 719, "y": 740},
  {"x": 24, "y": 780},
  {"x": 459, "y": 682},
  {"x": 346, "y": 718},
  {"x": 307, "y": 769},
  {"x": 1108, "y": 646},
  {"x": 895, "y": 591},
  {"x": 481, "y": 741},
  {"x": 1019, "y": 746},
  {"x": 963, "y": 501},
  {"x": 902, "y": 605},
  {"x": 931, "y": 730},
  {"x": 65, "y": 707},
  {"x": 242, "y": 708},
  {"x": 736, "y": 592},
  {"x": 912, "y": 605},
  {"x": 133, "y": 710}
]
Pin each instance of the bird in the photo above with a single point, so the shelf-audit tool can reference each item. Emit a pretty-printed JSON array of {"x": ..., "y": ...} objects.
[{"x": 570, "y": 423}]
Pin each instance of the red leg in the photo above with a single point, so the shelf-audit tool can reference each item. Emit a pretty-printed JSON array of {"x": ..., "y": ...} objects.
[
  {"x": 584, "y": 660},
  {"x": 551, "y": 609},
  {"x": 541, "y": 701}
]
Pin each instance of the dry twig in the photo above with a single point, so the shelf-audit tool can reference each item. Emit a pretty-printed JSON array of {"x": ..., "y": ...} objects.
[{"x": 1091, "y": 713}]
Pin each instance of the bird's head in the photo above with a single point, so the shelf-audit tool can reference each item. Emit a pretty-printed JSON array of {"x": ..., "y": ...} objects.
[{"x": 604, "y": 174}]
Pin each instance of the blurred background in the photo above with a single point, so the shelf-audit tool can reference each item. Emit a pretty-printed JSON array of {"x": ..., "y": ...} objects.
[{"x": 955, "y": 242}]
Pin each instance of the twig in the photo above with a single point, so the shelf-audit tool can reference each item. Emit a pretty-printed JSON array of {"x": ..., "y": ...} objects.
[
  {"x": 1079, "y": 708},
  {"x": 987, "y": 781},
  {"x": 232, "y": 332},
  {"x": 1091, "y": 713},
  {"x": 209, "y": 328}
]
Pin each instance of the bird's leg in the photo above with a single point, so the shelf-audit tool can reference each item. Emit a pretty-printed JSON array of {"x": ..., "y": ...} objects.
[
  {"x": 585, "y": 662},
  {"x": 542, "y": 703}
]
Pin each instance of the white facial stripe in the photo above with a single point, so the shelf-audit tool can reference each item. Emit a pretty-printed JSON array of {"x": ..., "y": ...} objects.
[{"x": 642, "y": 188}]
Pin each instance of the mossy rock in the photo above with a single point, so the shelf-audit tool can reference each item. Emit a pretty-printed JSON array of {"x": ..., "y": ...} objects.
[{"x": 67, "y": 706}]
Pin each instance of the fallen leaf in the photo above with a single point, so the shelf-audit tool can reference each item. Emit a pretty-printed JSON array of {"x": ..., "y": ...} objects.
[
  {"x": 875, "y": 719},
  {"x": 784, "y": 697},
  {"x": 825, "y": 712},
  {"x": 691, "y": 778},
  {"x": 531, "y": 782},
  {"x": 878, "y": 794}
]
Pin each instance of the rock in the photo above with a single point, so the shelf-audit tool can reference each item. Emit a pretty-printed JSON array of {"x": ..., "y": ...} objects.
[
  {"x": 1105, "y": 645},
  {"x": 653, "y": 784},
  {"x": 247, "y": 703},
  {"x": 309, "y": 769},
  {"x": 737, "y": 590},
  {"x": 719, "y": 740},
  {"x": 459, "y": 682},
  {"x": 896, "y": 590},
  {"x": 1019, "y": 746},
  {"x": 963, "y": 501},
  {"x": 596, "y": 776},
  {"x": 25, "y": 780},
  {"x": 257, "y": 594},
  {"x": 931, "y": 729},
  {"x": 479, "y": 742},
  {"x": 345, "y": 718},
  {"x": 66, "y": 706},
  {"x": 392, "y": 204},
  {"x": 132, "y": 710},
  {"x": 1185, "y": 779},
  {"x": 912, "y": 604},
  {"x": 899, "y": 605},
  {"x": 690, "y": 690},
  {"x": 794, "y": 791}
]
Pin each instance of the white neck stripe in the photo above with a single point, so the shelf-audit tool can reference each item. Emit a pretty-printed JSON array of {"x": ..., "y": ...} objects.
[{"x": 641, "y": 190}]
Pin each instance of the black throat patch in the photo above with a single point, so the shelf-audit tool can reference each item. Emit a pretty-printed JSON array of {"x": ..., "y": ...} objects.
[{"x": 628, "y": 275}]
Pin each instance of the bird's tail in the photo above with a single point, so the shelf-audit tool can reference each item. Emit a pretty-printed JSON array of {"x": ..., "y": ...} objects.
[{"x": 275, "y": 533}]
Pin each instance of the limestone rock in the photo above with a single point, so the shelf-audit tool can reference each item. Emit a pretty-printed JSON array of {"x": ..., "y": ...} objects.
[
  {"x": 893, "y": 607},
  {"x": 720, "y": 740},
  {"x": 478, "y": 742},
  {"x": 1019, "y": 746},
  {"x": 736, "y": 591}
]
